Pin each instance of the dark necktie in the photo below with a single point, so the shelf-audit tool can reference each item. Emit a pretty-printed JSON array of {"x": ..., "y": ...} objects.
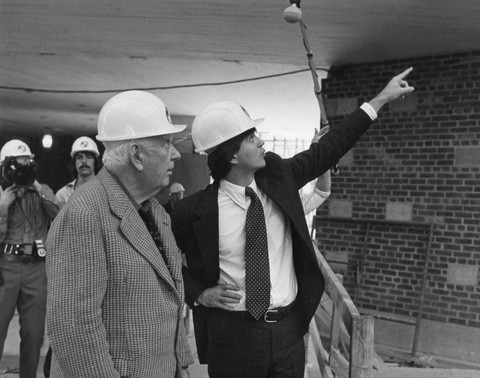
[
  {"x": 257, "y": 268},
  {"x": 147, "y": 218}
]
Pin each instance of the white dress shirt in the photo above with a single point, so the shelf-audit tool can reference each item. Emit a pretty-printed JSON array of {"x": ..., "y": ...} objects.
[{"x": 232, "y": 212}]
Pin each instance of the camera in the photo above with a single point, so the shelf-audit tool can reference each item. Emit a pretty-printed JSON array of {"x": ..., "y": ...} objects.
[{"x": 20, "y": 174}]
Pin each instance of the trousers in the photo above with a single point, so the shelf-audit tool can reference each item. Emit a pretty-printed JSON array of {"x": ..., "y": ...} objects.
[
  {"x": 242, "y": 347},
  {"x": 24, "y": 289}
]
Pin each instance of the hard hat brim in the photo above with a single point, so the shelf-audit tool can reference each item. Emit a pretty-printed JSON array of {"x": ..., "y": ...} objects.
[
  {"x": 212, "y": 146},
  {"x": 72, "y": 154},
  {"x": 172, "y": 129}
]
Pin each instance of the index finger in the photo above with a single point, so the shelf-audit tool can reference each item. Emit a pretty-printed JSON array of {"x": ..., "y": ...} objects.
[{"x": 405, "y": 73}]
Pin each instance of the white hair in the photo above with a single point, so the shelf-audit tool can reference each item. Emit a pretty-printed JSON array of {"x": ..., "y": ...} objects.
[{"x": 117, "y": 154}]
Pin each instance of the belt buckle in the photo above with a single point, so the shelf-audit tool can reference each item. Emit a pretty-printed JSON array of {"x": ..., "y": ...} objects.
[
  {"x": 265, "y": 316},
  {"x": 25, "y": 259},
  {"x": 8, "y": 247}
]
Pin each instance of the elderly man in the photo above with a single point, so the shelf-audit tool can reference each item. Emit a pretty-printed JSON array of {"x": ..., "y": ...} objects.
[
  {"x": 115, "y": 290},
  {"x": 26, "y": 209},
  {"x": 251, "y": 276},
  {"x": 84, "y": 165}
]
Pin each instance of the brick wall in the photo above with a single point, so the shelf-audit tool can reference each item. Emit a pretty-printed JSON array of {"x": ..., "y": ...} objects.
[{"x": 420, "y": 163}]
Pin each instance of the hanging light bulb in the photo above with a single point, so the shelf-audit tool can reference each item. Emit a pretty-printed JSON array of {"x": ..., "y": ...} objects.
[
  {"x": 47, "y": 141},
  {"x": 293, "y": 13}
]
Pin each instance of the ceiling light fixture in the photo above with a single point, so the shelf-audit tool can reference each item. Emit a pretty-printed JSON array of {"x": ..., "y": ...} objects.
[{"x": 47, "y": 141}]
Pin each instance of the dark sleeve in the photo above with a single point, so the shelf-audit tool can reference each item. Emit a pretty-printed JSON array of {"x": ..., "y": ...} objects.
[
  {"x": 320, "y": 157},
  {"x": 49, "y": 201},
  {"x": 185, "y": 238}
]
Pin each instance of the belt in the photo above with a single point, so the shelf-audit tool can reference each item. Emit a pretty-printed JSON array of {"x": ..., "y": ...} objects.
[
  {"x": 273, "y": 315},
  {"x": 28, "y": 251},
  {"x": 16, "y": 249}
]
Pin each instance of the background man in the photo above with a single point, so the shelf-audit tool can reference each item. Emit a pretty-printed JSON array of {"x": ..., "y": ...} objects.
[
  {"x": 26, "y": 209},
  {"x": 115, "y": 290},
  {"x": 176, "y": 192},
  {"x": 312, "y": 199},
  {"x": 252, "y": 278},
  {"x": 84, "y": 165}
]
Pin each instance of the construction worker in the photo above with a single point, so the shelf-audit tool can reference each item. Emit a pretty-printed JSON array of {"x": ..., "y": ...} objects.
[
  {"x": 176, "y": 191},
  {"x": 84, "y": 165},
  {"x": 26, "y": 209},
  {"x": 252, "y": 277}
]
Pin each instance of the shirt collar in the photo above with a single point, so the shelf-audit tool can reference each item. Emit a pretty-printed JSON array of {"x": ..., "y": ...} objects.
[{"x": 236, "y": 192}]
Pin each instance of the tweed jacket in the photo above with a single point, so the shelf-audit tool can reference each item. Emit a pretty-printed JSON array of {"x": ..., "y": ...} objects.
[
  {"x": 114, "y": 307},
  {"x": 195, "y": 221}
]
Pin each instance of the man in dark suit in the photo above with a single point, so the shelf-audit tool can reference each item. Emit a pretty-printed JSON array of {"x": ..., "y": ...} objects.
[{"x": 241, "y": 331}]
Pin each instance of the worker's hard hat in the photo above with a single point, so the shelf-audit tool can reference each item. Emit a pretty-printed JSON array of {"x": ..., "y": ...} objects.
[
  {"x": 176, "y": 187},
  {"x": 134, "y": 115},
  {"x": 219, "y": 122},
  {"x": 84, "y": 144},
  {"x": 15, "y": 147}
]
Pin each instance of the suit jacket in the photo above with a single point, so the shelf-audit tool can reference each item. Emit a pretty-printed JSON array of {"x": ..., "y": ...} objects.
[
  {"x": 114, "y": 306},
  {"x": 195, "y": 221}
]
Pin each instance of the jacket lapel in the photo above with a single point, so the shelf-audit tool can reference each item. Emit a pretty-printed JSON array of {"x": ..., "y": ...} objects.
[
  {"x": 133, "y": 227},
  {"x": 206, "y": 231},
  {"x": 286, "y": 199}
]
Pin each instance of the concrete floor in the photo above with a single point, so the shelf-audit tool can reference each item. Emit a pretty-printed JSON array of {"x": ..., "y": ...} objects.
[
  {"x": 11, "y": 351},
  {"x": 10, "y": 356}
]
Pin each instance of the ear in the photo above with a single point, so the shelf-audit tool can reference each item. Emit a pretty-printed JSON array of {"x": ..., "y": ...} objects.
[
  {"x": 234, "y": 159},
  {"x": 136, "y": 156}
]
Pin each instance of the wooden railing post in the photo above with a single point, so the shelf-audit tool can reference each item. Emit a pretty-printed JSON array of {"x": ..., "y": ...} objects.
[
  {"x": 362, "y": 347},
  {"x": 346, "y": 321}
]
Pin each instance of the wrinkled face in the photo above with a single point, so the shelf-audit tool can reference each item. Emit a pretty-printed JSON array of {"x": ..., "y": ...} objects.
[
  {"x": 251, "y": 155},
  {"x": 85, "y": 163},
  {"x": 159, "y": 156}
]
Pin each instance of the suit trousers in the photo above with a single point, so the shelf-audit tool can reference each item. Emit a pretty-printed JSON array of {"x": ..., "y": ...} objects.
[
  {"x": 240, "y": 346},
  {"x": 24, "y": 288}
]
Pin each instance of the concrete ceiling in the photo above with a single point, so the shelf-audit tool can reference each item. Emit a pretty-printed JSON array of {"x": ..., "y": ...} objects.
[{"x": 60, "y": 60}]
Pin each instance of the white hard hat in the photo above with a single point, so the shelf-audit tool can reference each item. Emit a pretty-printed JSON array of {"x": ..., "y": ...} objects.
[
  {"x": 15, "y": 147},
  {"x": 84, "y": 144},
  {"x": 176, "y": 187},
  {"x": 219, "y": 122},
  {"x": 134, "y": 115}
]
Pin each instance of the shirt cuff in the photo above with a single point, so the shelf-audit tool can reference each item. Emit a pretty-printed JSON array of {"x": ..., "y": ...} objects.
[
  {"x": 322, "y": 194},
  {"x": 367, "y": 108}
]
